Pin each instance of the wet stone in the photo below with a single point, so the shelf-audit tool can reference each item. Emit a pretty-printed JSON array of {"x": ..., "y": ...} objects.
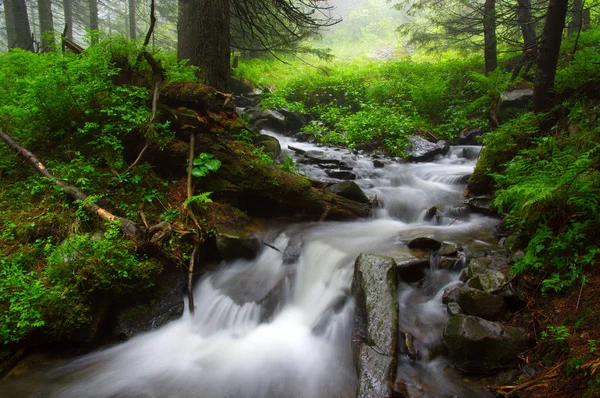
[
  {"x": 413, "y": 270},
  {"x": 450, "y": 294},
  {"x": 479, "y": 265},
  {"x": 424, "y": 243},
  {"x": 479, "y": 303},
  {"x": 349, "y": 190},
  {"x": 376, "y": 373},
  {"x": 341, "y": 174},
  {"x": 488, "y": 282},
  {"x": 453, "y": 309}
]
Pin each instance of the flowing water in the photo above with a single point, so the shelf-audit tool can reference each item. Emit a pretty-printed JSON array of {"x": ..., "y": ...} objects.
[{"x": 281, "y": 325}]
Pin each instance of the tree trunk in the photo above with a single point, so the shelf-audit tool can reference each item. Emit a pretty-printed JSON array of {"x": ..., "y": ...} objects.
[
  {"x": 548, "y": 56},
  {"x": 489, "y": 36},
  {"x": 526, "y": 22},
  {"x": 586, "y": 19},
  {"x": 46, "y": 24},
  {"x": 18, "y": 33},
  {"x": 68, "y": 11},
  {"x": 132, "y": 32},
  {"x": 203, "y": 38},
  {"x": 93, "y": 4},
  {"x": 576, "y": 17}
]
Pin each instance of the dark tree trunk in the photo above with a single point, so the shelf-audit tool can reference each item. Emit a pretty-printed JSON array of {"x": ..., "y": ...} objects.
[
  {"x": 18, "y": 33},
  {"x": 585, "y": 19},
  {"x": 548, "y": 56},
  {"x": 46, "y": 24},
  {"x": 576, "y": 17},
  {"x": 68, "y": 11},
  {"x": 93, "y": 4},
  {"x": 203, "y": 38},
  {"x": 489, "y": 36},
  {"x": 132, "y": 32},
  {"x": 526, "y": 23}
]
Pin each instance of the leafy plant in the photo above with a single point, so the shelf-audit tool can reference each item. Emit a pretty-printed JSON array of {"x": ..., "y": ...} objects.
[
  {"x": 204, "y": 164},
  {"x": 201, "y": 198}
]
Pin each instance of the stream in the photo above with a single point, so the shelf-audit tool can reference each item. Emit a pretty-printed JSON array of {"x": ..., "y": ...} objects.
[{"x": 281, "y": 325}]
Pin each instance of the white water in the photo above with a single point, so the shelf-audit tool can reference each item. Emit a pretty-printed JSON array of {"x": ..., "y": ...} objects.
[{"x": 263, "y": 328}]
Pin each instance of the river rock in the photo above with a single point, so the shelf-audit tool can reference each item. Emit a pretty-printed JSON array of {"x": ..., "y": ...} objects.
[
  {"x": 349, "y": 190},
  {"x": 488, "y": 282},
  {"x": 424, "y": 243},
  {"x": 468, "y": 136},
  {"x": 268, "y": 119},
  {"x": 482, "y": 205},
  {"x": 319, "y": 157},
  {"x": 376, "y": 373},
  {"x": 422, "y": 150},
  {"x": 454, "y": 309},
  {"x": 232, "y": 244},
  {"x": 269, "y": 144},
  {"x": 374, "y": 285},
  {"x": 479, "y": 303},
  {"x": 292, "y": 252},
  {"x": 448, "y": 249},
  {"x": 479, "y": 265},
  {"x": 294, "y": 120},
  {"x": 471, "y": 153},
  {"x": 480, "y": 346},
  {"x": 450, "y": 294},
  {"x": 412, "y": 270},
  {"x": 341, "y": 174}
]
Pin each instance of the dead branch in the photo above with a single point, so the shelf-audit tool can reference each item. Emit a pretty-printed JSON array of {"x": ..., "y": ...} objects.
[
  {"x": 191, "y": 276},
  {"x": 69, "y": 44}
]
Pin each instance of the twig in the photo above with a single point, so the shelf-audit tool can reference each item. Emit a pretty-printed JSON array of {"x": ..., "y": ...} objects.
[
  {"x": 579, "y": 298},
  {"x": 148, "y": 35},
  {"x": 191, "y": 277},
  {"x": 271, "y": 246},
  {"x": 325, "y": 214}
]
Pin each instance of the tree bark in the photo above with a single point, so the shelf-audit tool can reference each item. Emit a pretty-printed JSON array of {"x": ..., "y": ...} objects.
[
  {"x": 68, "y": 12},
  {"x": 489, "y": 36},
  {"x": 93, "y": 4},
  {"x": 548, "y": 56},
  {"x": 203, "y": 38},
  {"x": 526, "y": 22},
  {"x": 18, "y": 33},
  {"x": 46, "y": 24},
  {"x": 576, "y": 17},
  {"x": 132, "y": 32}
]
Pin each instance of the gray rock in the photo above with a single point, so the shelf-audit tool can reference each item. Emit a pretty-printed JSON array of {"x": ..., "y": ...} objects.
[
  {"x": 349, "y": 190},
  {"x": 453, "y": 309},
  {"x": 294, "y": 120},
  {"x": 233, "y": 244},
  {"x": 450, "y": 294},
  {"x": 488, "y": 282},
  {"x": 514, "y": 102},
  {"x": 422, "y": 150},
  {"x": 468, "y": 137},
  {"x": 479, "y": 265},
  {"x": 376, "y": 373},
  {"x": 374, "y": 285},
  {"x": 269, "y": 144},
  {"x": 432, "y": 214},
  {"x": 297, "y": 151},
  {"x": 292, "y": 252},
  {"x": 471, "y": 153},
  {"x": 378, "y": 163},
  {"x": 484, "y": 305},
  {"x": 318, "y": 157},
  {"x": 448, "y": 249},
  {"x": 341, "y": 174},
  {"x": 480, "y": 346}
]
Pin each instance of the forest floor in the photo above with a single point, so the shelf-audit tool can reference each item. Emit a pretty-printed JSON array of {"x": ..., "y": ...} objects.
[{"x": 567, "y": 329}]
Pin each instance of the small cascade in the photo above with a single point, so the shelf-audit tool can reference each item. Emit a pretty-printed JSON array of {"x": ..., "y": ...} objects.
[{"x": 282, "y": 327}]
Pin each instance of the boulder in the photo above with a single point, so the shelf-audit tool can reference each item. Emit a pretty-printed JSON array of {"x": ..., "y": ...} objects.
[
  {"x": 294, "y": 120},
  {"x": 450, "y": 294},
  {"x": 374, "y": 285},
  {"x": 488, "y": 282},
  {"x": 422, "y": 150},
  {"x": 376, "y": 373},
  {"x": 449, "y": 249},
  {"x": 471, "y": 153},
  {"x": 268, "y": 119},
  {"x": 348, "y": 190},
  {"x": 454, "y": 309},
  {"x": 424, "y": 243},
  {"x": 232, "y": 244},
  {"x": 479, "y": 265},
  {"x": 514, "y": 102},
  {"x": 292, "y": 252},
  {"x": 480, "y": 346},
  {"x": 269, "y": 144},
  {"x": 341, "y": 174},
  {"x": 468, "y": 136},
  {"x": 481, "y": 304}
]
